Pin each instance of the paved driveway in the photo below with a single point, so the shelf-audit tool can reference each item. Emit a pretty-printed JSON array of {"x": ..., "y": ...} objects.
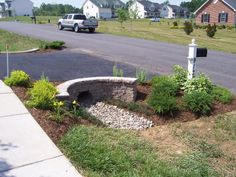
[
  {"x": 61, "y": 65},
  {"x": 157, "y": 57}
]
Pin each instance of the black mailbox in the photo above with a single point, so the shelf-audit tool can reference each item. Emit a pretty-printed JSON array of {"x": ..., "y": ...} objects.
[{"x": 201, "y": 52}]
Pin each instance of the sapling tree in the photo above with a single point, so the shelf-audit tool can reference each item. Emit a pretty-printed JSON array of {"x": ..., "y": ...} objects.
[{"x": 122, "y": 16}]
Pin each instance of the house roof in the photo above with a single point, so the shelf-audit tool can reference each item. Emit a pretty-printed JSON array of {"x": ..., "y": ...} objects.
[
  {"x": 178, "y": 8},
  {"x": 108, "y": 3},
  {"x": 230, "y": 3},
  {"x": 150, "y": 6}
]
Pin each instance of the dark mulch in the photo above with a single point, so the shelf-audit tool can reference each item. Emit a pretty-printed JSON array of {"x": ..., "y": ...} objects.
[
  {"x": 183, "y": 115},
  {"x": 56, "y": 130}
]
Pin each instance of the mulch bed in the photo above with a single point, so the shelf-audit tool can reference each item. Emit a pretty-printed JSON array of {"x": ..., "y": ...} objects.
[
  {"x": 56, "y": 130},
  {"x": 183, "y": 115},
  {"x": 53, "y": 129}
]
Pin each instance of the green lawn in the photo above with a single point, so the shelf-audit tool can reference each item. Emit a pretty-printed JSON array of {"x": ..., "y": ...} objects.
[
  {"x": 190, "y": 149},
  {"x": 224, "y": 40},
  {"x": 17, "y": 42},
  {"x": 26, "y": 19}
]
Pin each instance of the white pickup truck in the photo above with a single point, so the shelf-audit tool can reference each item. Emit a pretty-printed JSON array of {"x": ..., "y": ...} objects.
[{"x": 77, "y": 22}]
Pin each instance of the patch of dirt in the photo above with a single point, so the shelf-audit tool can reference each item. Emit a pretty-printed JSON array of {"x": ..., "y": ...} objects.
[{"x": 162, "y": 138}]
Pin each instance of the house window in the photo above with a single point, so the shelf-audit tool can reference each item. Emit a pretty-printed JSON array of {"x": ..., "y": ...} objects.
[
  {"x": 92, "y": 6},
  {"x": 205, "y": 18},
  {"x": 223, "y": 17},
  {"x": 87, "y": 7}
]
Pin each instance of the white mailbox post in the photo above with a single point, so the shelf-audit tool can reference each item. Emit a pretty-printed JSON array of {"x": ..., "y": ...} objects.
[{"x": 192, "y": 54}]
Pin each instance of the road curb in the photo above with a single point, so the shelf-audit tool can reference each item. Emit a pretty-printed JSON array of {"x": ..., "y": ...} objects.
[{"x": 18, "y": 52}]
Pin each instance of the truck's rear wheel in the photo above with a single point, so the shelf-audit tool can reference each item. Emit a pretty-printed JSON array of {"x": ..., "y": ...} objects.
[
  {"x": 76, "y": 28},
  {"x": 91, "y": 30},
  {"x": 60, "y": 27}
]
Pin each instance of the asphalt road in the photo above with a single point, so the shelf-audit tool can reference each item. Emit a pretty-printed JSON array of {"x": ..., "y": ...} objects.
[{"x": 156, "y": 57}]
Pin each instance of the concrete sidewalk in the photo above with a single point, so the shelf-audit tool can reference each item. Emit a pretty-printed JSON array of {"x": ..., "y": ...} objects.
[{"x": 25, "y": 149}]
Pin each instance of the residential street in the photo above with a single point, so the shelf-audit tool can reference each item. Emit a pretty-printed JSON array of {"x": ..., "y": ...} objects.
[{"x": 88, "y": 51}]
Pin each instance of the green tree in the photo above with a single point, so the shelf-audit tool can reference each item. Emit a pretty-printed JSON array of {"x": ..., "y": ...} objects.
[
  {"x": 193, "y": 5},
  {"x": 122, "y": 16}
]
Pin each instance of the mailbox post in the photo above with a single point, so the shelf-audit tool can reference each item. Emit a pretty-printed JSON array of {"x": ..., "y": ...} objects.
[{"x": 192, "y": 54}]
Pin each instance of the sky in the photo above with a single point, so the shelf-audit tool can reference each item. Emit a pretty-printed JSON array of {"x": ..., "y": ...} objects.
[{"x": 78, "y": 3}]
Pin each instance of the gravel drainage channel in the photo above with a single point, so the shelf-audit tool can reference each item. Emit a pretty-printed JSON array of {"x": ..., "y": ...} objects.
[{"x": 115, "y": 117}]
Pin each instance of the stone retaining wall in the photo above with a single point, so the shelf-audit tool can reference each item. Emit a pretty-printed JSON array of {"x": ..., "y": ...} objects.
[{"x": 96, "y": 89}]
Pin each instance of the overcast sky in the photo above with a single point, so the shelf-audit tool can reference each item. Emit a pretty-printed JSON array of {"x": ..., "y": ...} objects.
[{"x": 78, "y": 3}]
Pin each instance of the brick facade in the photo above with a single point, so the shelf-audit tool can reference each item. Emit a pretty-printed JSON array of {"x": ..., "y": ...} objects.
[{"x": 214, "y": 7}]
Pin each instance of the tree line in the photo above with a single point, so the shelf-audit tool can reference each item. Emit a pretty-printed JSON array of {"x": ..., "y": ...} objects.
[{"x": 55, "y": 9}]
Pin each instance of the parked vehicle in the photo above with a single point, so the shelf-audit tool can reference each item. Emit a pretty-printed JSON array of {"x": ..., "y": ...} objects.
[
  {"x": 77, "y": 22},
  {"x": 155, "y": 19}
]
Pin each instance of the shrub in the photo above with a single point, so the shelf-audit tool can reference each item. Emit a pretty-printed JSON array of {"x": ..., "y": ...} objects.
[
  {"x": 200, "y": 83},
  {"x": 42, "y": 95},
  {"x": 188, "y": 27},
  {"x": 162, "y": 103},
  {"x": 222, "y": 95},
  {"x": 164, "y": 85},
  {"x": 211, "y": 30},
  {"x": 180, "y": 75},
  {"x": 230, "y": 27},
  {"x": 141, "y": 75},
  {"x": 175, "y": 23},
  {"x": 117, "y": 72},
  {"x": 199, "y": 102},
  {"x": 18, "y": 78},
  {"x": 54, "y": 45}
]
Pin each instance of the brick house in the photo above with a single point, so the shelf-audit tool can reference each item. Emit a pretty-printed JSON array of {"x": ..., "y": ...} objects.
[{"x": 217, "y": 11}]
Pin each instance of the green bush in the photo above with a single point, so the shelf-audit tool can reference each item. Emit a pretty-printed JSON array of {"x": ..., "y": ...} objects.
[
  {"x": 188, "y": 27},
  {"x": 199, "y": 102},
  {"x": 141, "y": 75},
  {"x": 211, "y": 30},
  {"x": 162, "y": 103},
  {"x": 222, "y": 95},
  {"x": 200, "y": 83},
  {"x": 53, "y": 45},
  {"x": 18, "y": 78},
  {"x": 42, "y": 95},
  {"x": 164, "y": 85},
  {"x": 180, "y": 75},
  {"x": 175, "y": 23}
]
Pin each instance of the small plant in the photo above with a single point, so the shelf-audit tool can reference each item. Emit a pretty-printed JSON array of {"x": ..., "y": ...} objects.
[
  {"x": 162, "y": 103},
  {"x": 58, "y": 117},
  {"x": 141, "y": 75},
  {"x": 117, "y": 72},
  {"x": 188, "y": 27},
  {"x": 199, "y": 102},
  {"x": 74, "y": 107},
  {"x": 222, "y": 95},
  {"x": 211, "y": 30},
  {"x": 164, "y": 85},
  {"x": 200, "y": 83},
  {"x": 180, "y": 75},
  {"x": 53, "y": 45},
  {"x": 42, "y": 95},
  {"x": 18, "y": 78},
  {"x": 175, "y": 23}
]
